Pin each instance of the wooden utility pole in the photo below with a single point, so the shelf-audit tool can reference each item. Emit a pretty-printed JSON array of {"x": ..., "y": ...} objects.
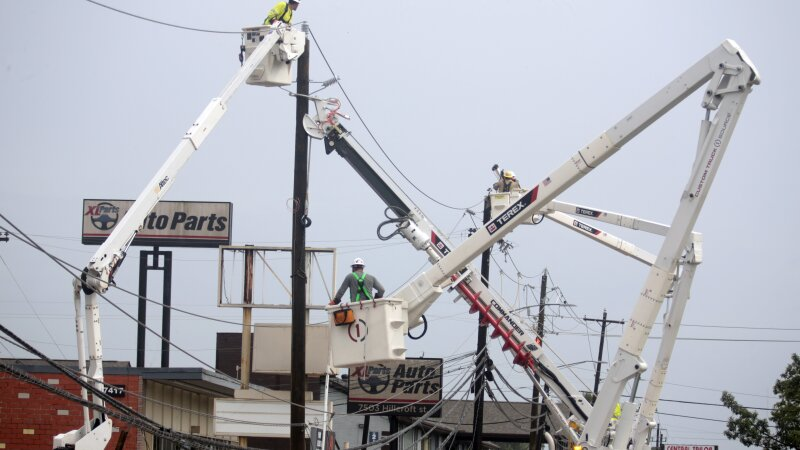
[
  {"x": 480, "y": 377},
  {"x": 603, "y": 323},
  {"x": 247, "y": 319},
  {"x": 537, "y": 412},
  {"x": 299, "y": 277}
]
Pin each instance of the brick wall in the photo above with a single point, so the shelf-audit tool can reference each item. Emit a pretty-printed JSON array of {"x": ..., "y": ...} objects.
[{"x": 30, "y": 416}]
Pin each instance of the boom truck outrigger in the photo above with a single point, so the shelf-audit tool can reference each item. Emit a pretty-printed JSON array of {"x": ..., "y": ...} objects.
[
  {"x": 729, "y": 75},
  {"x": 269, "y": 51}
]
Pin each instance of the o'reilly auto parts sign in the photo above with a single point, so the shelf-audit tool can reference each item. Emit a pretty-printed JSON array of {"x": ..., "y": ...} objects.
[
  {"x": 401, "y": 388},
  {"x": 171, "y": 224}
]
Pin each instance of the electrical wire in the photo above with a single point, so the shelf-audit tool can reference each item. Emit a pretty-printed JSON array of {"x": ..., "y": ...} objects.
[
  {"x": 769, "y": 341},
  {"x": 509, "y": 419},
  {"x": 458, "y": 424},
  {"x": 64, "y": 266},
  {"x": 124, "y": 412},
  {"x": 35, "y": 313},
  {"x": 150, "y": 399},
  {"x": 419, "y": 420},
  {"x": 389, "y": 400},
  {"x": 10, "y": 355},
  {"x": 436, "y": 424},
  {"x": 449, "y": 360},
  {"x": 374, "y": 139},
  {"x": 505, "y": 381},
  {"x": 226, "y": 32},
  {"x": 179, "y": 408},
  {"x": 126, "y": 291},
  {"x": 136, "y": 16}
]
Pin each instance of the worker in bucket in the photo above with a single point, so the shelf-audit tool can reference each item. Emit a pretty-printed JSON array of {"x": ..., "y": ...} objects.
[
  {"x": 508, "y": 182},
  {"x": 360, "y": 285},
  {"x": 282, "y": 12}
]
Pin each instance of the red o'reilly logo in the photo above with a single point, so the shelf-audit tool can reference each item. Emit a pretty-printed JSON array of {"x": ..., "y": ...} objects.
[{"x": 103, "y": 215}]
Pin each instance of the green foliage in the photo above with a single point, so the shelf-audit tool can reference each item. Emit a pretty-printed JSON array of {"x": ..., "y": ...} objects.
[
  {"x": 786, "y": 414},
  {"x": 746, "y": 427}
]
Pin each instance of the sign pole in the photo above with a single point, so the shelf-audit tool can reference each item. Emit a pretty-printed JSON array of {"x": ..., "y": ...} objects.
[{"x": 140, "y": 332}]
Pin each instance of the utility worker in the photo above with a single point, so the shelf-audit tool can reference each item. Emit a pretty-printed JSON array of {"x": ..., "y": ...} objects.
[
  {"x": 508, "y": 182},
  {"x": 617, "y": 413},
  {"x": 360, "y": 285},
  {"x": 282, "y": 12}
]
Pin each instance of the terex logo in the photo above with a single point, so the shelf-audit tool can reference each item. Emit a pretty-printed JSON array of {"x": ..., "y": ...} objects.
[
  {"x": 103, "y": 215},
  {"x": 586, "y": 228},
  {"x": 526, "y": 200},
  {"x": 441, "y": 246},
  {"x": 587, "y": 212}
]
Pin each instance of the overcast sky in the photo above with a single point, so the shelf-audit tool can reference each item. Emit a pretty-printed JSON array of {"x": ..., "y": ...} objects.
[{"x": 95, "y": 100}]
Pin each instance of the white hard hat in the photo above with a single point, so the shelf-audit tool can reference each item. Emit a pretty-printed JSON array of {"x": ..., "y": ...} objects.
[{"x": 358, "y": 262}]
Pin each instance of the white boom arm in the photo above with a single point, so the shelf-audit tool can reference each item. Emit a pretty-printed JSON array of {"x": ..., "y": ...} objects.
[
  {"x": 644, "y": 424},
  {"x": 602, "y": 237},
  {"x": 624, "y": 430},
  {"x": 733, "y": 76},
  {"x": 110, "y": 254},
  {"x": 423, "y": 235},
  {"x": 636, "y": 425},
  {"x": 641, "y": 419},
  {"x": 99, "y": 273},
  {"x": 730, "y": 76}
]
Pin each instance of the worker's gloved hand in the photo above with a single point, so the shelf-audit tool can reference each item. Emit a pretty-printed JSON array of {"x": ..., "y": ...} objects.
[
  {"x": 334, "y": 301},
  {"x": 378, "y": 296}
]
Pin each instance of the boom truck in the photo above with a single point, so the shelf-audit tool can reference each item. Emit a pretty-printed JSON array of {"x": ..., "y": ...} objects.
[
  {"x": 731, "y": 77},
  {"x": 269, "y": 52},
  {"x": 375, "y": 332},
  {"x": 571, "y": 216}
]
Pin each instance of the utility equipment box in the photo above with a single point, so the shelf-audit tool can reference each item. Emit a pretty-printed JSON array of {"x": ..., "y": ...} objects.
[
  {"x": 375, "y": 332},
  {"x": 276, "y": 68}
]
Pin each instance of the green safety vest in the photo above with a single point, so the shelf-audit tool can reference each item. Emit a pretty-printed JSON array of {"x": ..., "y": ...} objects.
[
  {"x": 361, "y": 289},
  {"x": 274, "y": 15}
]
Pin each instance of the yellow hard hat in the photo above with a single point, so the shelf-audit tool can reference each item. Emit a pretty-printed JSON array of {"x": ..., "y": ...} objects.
[{"x": 508, "y": 174}]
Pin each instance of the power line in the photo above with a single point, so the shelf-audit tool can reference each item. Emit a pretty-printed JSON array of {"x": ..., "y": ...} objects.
[
  {"x": 374, "y": 139},
  {"x": 691, "y": 417},
  {"x": 30, "y": 242},
  {"x": 35, "y": 313},
  {"x": 65, "y": 266},
  {"x": 774, "y": 341},
  {"x": 124, "y": 412},
  {"x": 688, "y": 402},
  {"x": 136, "y": 16}
]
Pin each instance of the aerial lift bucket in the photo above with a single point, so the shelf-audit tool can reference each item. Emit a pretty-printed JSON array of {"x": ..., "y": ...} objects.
[
  {"x": 367, "y": 332},
  {"x": 276, "y": 68},
  {"x": 500, "y": 201}
]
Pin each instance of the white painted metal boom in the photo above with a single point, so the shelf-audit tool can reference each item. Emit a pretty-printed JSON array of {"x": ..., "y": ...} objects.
[
  {"x": 730, "y": 76},
  {"x": 425, "y": 236},
  {"x": 99, "y": 273},
  {"x": 636, "y": 423},
  {"x": 110, "y": 254},
  {"x": 643, "y": 423}
]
